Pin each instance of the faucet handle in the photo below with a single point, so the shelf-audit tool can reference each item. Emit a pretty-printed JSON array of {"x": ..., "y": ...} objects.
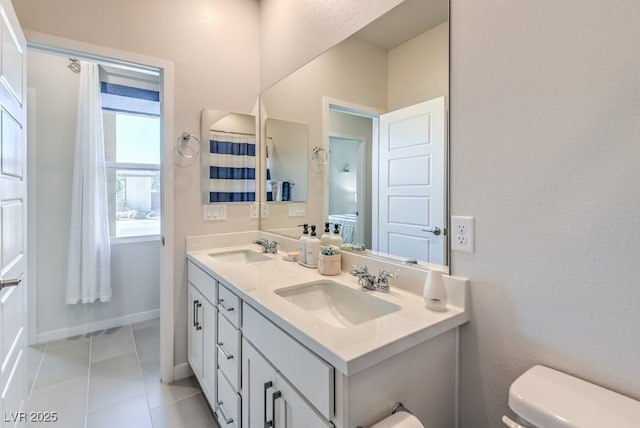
[
  {"x": 359, "y": 270},
  {"x": 384, "y": 275},
  {"x": 382, "y": 282}
]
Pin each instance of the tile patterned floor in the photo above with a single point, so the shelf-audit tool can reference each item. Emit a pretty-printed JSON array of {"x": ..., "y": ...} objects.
[{"x": 111, "y": 379}]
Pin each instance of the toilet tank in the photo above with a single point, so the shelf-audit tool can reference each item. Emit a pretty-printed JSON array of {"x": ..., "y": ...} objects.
[{"x": 548, "y": 398}]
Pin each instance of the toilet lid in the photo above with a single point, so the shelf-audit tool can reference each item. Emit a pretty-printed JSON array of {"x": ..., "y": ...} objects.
[{"x": 551, "y": 399}]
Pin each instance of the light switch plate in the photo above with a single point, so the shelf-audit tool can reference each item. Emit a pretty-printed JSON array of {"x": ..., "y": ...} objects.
[
  {"x": 254, "y": 210},
  {"x": 462, "y": 233},
  {"x": 214, "y": 212},
  {"x": 297, "y": 210}
]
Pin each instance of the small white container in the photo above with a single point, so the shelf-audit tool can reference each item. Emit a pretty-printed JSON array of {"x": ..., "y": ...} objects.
[
  {"x": 329, "y": 265},
  {"x": 435, "y": 293}
]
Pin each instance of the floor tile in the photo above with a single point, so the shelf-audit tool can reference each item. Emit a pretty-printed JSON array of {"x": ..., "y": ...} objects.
[
  {"x": 147, "y": 342},
  {"x": 63, "y": 363},
  {"x": 130, "y": 413},
  {"x": 69, "y": 341},
  {"x": 114, "y": 380},
  {"x": 192, "y": 412},
  {"x": 144, "y": 324},
  {"x": 68, "y": 400},
  {"x": 35, "y": 355},
  {"x": 112, "y": 343},
  {"x": 159, "y": 393}
]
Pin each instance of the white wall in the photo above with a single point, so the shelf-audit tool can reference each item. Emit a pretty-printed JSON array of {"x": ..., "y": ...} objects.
[
  {"x": 545, "y": 125},
  {"x": 135, "y": 267},
  {"x": 214, "y": 48},
  {"x": 424, "y": 63},
  {"x": 294, "y": 32}
]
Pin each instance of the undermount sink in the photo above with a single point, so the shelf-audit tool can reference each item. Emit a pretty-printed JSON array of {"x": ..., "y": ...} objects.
[
  {"x": 239, "y": 256},
  {"x": 336, "y": 304}
]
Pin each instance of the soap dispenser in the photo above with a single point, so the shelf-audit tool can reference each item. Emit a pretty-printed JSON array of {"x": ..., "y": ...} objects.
[
  {"x": 313, "y": 248},
  {"x": 325, "y": 239},
  {"x": 302, "y": 244},
  {"x": 336, "y": 239},
  {"x": 435, "y": 293}
]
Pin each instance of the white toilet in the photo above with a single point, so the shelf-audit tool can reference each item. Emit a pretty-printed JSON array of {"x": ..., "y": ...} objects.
[{"x": 546, "y": 398}]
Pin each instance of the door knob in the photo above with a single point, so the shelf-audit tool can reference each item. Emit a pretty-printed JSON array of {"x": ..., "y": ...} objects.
[
  {"x": 435, "y": 230},
  {"x": 11, "y": 282}
]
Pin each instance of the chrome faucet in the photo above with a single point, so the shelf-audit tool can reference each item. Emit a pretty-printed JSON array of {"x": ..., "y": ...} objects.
[
  {"x": 365, "y": 279},
  {"x": 370, "y": 282},
  {"x": 270, "y": 247}
]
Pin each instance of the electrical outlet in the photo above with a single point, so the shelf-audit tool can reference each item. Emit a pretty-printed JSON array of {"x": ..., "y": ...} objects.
[
  {"x": 463, "y": 233},
  {"x": 264, "y": 210}
]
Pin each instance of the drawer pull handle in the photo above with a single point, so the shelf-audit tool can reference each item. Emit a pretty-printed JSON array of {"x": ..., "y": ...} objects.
[
  {"x": 222, "y": 351},
  {"x": 198, "y": 305},
  {"x": 226, "y": 419},
  {"x": 267, "y": 424},
  {"x": 274, "y": 397},
  {"x": 196, "y": 322},
  {"x": 223, "y": 306},
  {"x": 195, "y": 314}
]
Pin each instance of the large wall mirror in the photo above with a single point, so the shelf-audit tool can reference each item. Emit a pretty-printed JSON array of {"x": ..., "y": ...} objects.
[{"x": 375, "y": 107}]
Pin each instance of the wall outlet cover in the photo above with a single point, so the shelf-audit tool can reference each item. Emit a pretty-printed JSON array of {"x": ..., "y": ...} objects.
[
  {"x": 264, "y": 210},
  {"x": 463, "y": 234}
]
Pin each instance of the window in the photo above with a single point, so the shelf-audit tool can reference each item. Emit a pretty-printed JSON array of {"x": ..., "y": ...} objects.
[{"x": 131, "y": 124}]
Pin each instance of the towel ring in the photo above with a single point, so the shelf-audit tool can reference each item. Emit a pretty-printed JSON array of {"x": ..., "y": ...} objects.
[
  {"x": 188, "y": 145},
  {"x": 320, "y": 156}
]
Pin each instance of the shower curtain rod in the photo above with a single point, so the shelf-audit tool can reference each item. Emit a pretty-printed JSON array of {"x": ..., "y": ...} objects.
[{"x": 231, "y": 132}]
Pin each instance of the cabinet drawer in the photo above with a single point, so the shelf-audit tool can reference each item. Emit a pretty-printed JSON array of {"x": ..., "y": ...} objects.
[
  {"x": 310, "y": 374},
  {"x": 229, "y": 352},
  {"x": 228, "y": 405},
  {"x": 203, "y": 282},
  {"x": 229, "y": 305}
]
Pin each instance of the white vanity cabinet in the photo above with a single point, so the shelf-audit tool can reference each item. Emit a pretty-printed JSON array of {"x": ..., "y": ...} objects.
[
  {"x": 268, "y": 397},
  {"x": 268, "y": 400},
  {"x": 256, "y": 374},
  {"x": 201, "y": 338}
]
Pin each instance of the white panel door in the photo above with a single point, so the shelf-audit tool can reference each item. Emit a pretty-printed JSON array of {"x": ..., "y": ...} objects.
[
  {"x": 411, "y": 182},
  {"x": 13, "y": 376}
]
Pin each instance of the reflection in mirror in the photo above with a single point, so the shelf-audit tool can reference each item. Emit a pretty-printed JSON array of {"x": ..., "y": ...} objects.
[
  {"x": 228, "y": 156},
  {"x": 377, "y": 102},
  {"x": 286, "y": 143}
]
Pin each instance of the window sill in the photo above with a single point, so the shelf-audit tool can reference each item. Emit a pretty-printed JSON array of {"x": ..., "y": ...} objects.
[{"x": 135, "y": 239}]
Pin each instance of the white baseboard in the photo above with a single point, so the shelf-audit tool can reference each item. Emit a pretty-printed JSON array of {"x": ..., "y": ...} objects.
[
  {"x": 182, "y": 371},
  {"x": 77, "y": 330}
]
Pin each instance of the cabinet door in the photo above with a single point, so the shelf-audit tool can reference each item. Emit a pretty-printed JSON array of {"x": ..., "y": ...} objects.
[
  {"x": 194, "y": 336},
  {"x": 291, "y": 410},
  {"x": 209, "y": 355},
  {"x": 258, "y": 377}
]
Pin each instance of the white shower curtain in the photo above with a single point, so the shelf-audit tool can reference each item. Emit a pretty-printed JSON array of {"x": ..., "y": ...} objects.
[{"x": 89, "y": 264}]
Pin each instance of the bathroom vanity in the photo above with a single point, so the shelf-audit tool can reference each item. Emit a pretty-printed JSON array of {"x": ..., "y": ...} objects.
[{"x": 275, "y": 344}]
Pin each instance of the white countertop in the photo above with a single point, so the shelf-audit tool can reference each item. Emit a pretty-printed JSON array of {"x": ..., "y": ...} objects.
[{"x": 351, "y": 349}]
